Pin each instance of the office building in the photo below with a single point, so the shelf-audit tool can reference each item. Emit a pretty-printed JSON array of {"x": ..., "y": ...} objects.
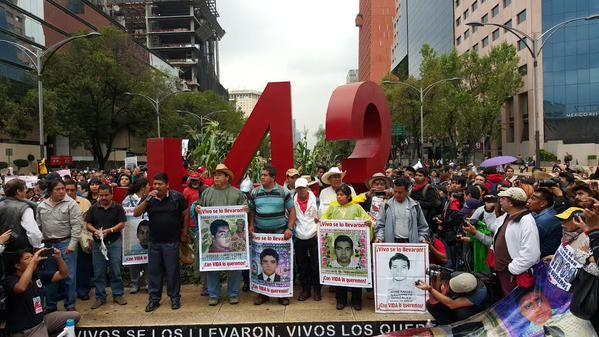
[
  {"x": 245, "y": 100},
  {"x": 184, "y": 32},
  {"x": 568, "y": 72},
  {"x": 375, "y": 22},
  {"x": 41, "y": 24},
  {"x": 352, "y": 76},
  {"x": 416, "y": 23}
]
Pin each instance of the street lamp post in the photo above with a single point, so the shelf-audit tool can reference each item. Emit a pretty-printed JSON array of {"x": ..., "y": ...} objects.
[
  {"x": 423, "y": 92},
  {"x": 156, "y": 103},
  {"x": 535, "y": 43},
  {"x": 201, "y": 118},
  {"x": 39, "y": 58}
]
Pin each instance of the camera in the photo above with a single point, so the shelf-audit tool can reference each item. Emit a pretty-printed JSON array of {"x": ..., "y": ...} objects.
[
  {"x": 48, "y": 252},
  {"x": 380, "y": 194},
  {"x": 553, "y": 182},
  {"x": 439, "y": 271}
]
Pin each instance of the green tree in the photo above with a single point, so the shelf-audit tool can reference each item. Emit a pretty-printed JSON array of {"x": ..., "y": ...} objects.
[{"x": 15, "y": 120}]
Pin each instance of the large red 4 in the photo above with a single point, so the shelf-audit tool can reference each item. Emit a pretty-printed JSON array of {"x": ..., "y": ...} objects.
[
  {"x": 272, "y": 113},
  {"x": 359, "y": 111}
]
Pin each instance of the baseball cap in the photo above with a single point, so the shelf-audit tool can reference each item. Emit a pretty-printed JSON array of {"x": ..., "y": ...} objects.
[
  {"x": 292, "y": 172},
  {"x": 567, "y": 214},
  {"x": 514, "y": 193},
  {"x": 463, "y": 283},
  {"x": 301, "y": 182}
]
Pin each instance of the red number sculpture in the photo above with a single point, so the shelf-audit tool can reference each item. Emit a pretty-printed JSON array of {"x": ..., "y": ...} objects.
[
  {"x": 359, "y": 111},
  {"x": 272, "y": 113}
]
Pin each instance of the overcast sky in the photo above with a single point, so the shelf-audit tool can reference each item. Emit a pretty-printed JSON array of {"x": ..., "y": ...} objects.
[{"x": 311, "y": 43}]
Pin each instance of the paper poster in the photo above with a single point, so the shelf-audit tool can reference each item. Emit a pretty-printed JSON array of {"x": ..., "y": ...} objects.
[
  {"x": 397, "y": 267},
  {"x": 131, "y": 162},
  {"x": 136, "y": 236},
  {"x": 271, "y": 272},
  {"x": 64, "y": 173},
  {"x": 30, "y": 181},
  {"x": 223, "y": 238},
  {"x": 344, "y": 253},
  {"x": 537, "y": 312},
  {"x": 563, "y": 267}
]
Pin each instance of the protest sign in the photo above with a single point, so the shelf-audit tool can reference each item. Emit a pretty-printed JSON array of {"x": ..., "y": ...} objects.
[
  {"x": 537, "y": 312},
  {"x": 30, "y": 181},
  {"x": 223, "y": 238},
  {"x": 344, "y": 253},
  {"x": 271, "y": 272},
  {"x": 136, "y": 236},
  {"x": 397, "y": 267},
  {"x": 64, "y": 173},
  {"x": 131, "y": 162},
  {"x": 563, "y": 267}
]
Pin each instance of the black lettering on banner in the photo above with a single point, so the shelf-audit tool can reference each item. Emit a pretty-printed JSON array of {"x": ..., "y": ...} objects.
[{"x": 308, "y": 329}]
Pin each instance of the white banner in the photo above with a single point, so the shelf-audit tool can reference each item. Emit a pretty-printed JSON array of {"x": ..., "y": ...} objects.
[
  {"x": 397, "y": 268},
  {"x": 344, "y": 253},
  {"x": 271, "y": 273},
  {"x": 136, "y": 237},
  {"x": 223, "y": 238},
  {"x": 563, "y": 267},
  {"x": 30, "y": 181}
]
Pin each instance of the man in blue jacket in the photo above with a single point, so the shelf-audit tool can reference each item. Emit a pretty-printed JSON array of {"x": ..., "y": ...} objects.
[{"x": 540, "y": 203}]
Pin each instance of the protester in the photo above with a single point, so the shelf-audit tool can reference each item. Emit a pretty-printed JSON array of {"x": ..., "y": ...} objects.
[
  {"x": 168, "y": 216},
  {"x": 402, "y": 220},
  {"x": 61, "y": 221},
  {"x": 26, "y": 289},
  {"x": 124, "y": 180},
  {"x": 106, "y": 219},
  {"x": 378, "y": 192},
  {"x": 221, "y": 194},
  {"x": 17, "y": 215},
  {"x": 344, "y": 209},
  {"x": 306, "y": 243},
  {"x": 271, "y": 211},
  {"x": 84, "y": 257},
  {"x": 334, "y": 178},
  {"x": 192, "y": 193},
  {"x": 4, "y": 238},
  {"x": 540, "y": 203},
  {"x": 290, "y": 177},
  {"x": 516, "y": 242},
  {"x": 138, "y": 191},
  {"x": 426, "y": 195},
  {"x": 583, "y": 195},
  {"x": 94, "y": 185},
  {"x": 468, "y": 297}
]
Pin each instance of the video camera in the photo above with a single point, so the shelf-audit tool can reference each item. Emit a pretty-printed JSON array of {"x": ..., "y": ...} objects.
[
  {"x": 435, "y": 270},
  {"x": 553, "y": 182}
]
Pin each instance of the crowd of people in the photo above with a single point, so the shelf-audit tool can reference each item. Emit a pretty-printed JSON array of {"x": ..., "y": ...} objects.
[{"x": 63, "y": 237}]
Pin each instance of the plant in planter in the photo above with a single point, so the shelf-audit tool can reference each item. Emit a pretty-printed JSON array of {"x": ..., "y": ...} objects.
[
  {"x": 19, "y": 163},
  {"x": 592, "y": 159},
  {"x": 3, "y": 165}
]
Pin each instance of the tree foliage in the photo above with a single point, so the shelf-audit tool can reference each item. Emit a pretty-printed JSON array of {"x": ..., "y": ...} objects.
[
  {"x": 457, "y": 112},
  {"x": 15, "y": 120}
]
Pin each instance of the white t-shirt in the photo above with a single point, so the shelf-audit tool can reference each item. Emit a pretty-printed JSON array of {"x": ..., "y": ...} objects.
[{"x": 402, "y": 218}]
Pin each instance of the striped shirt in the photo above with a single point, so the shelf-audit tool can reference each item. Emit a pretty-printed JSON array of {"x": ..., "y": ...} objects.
[{"x": 270, "y": 207}]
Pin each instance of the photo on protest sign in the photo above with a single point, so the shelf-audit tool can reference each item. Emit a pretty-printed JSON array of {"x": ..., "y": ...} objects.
[
  {"x": 397, "y": 268},
  {"x": 136, "y": 236},
  {"x": 223, "y": 238},
  {"x": 344, "y": 253},
  {"x": 271, "y": 272}
]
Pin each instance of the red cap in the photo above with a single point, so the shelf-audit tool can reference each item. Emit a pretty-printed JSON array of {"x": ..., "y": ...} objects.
[
  {"x": 201, "y": 169},
  {"x": 195, "y": 176}
]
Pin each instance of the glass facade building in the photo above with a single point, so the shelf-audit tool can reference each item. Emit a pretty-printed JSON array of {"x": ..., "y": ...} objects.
[
  {"x": 571, "y": 72},
  {"x": 421, "y": 22}
]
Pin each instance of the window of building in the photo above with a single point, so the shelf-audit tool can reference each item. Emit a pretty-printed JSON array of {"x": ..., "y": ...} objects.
[
  {"x": 457, "y": 3},
  {"x": 507, "y": 24},
  {"x": 474, "y": 6},
  {"x": 485, "y": 18},
  {"x": 466, "y": 13},
  {"x": 521, "y": 17},
  {"x": 475, "y": 47},
  {"x": 458, "y": 40},
  {"x": 521, "y": 45},
  {"x": 523, "y": 70},
  {"x": 495, "y": 11},
  {"x": 466, "y": 34},
  {"x": 506, "y": 3},
  {"x": 510, "y": 121},
  {"x": 458, "y": 21},
  {"x": 523, "y": 98},
  {"x": 495, "y": 34},
  {"x": 485, "y": 41}
]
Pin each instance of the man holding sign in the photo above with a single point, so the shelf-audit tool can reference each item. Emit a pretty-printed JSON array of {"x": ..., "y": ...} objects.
[{"x": 221, "y": 194}]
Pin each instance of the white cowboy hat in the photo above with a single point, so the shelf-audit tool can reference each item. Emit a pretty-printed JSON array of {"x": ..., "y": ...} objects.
[{"x": 332, "y": 171}]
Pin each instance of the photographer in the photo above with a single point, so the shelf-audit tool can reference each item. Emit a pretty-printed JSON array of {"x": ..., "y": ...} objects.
[
  {"x": 467, "y": 297},
  {"x": 544, "y": 180},
  {"x": 25, "y": 300},
  {"x": 540, "y": 204}
]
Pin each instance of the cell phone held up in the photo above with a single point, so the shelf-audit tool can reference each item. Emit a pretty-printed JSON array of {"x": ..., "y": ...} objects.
[{"x": 47, "y": 252}]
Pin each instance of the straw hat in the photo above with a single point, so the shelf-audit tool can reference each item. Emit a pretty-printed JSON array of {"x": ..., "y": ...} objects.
[
  {"x": 331, "y": 172},
  {"x": 309, "y": 179},
  {"x": 378, "y": 176},
  {"x": 224, "y": 169}
]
